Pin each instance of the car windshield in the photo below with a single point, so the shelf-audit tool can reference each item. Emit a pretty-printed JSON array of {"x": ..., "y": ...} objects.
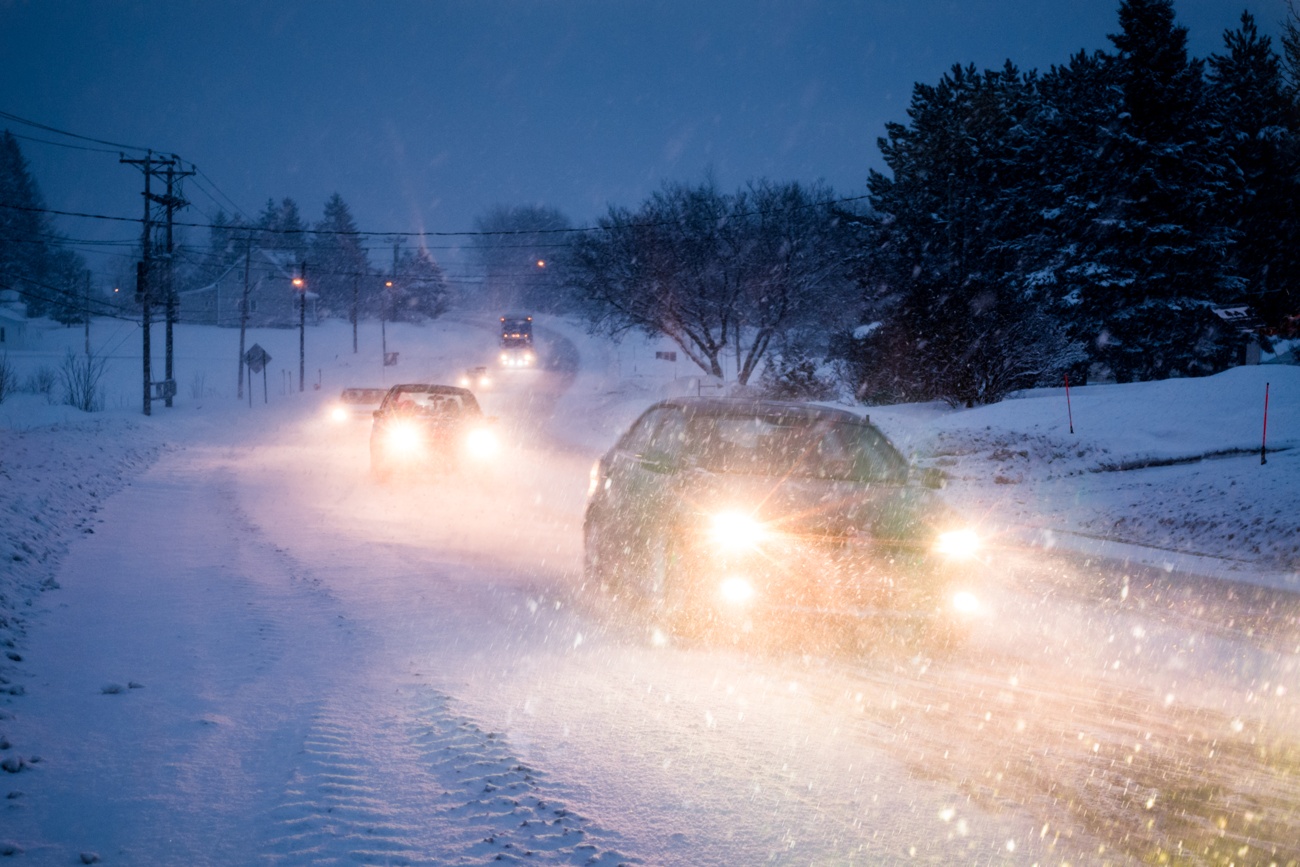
[{"x": 791, "y": 446}]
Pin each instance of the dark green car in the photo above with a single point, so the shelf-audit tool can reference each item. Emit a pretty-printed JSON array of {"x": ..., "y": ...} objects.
[{"x": 742, "y": 515}]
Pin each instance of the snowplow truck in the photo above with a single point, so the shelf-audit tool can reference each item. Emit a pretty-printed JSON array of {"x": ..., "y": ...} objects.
[{"x": 517, "y": 341}]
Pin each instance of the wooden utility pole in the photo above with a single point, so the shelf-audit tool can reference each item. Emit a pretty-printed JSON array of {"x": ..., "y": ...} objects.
[
  {"x": 243, "y": 317},
  {"x": 171, "y": 201},
  {"x": 145, "y": 271},
  {"x": 142, "y": 275},
  {"x": 85, "y": 303},
  {"x": 301, "y": 284}
]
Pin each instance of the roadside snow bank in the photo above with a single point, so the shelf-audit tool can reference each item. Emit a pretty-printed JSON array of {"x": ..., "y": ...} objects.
[
  {"x": 57, "y": 465},
  {"x": 1173, "y": 464}
]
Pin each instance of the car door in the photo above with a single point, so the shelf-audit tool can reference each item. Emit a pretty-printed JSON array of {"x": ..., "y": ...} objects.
[{"x": 640, "y": 475}]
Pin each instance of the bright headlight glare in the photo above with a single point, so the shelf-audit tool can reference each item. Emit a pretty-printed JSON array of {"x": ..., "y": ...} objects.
[
  {"x": 481, "y": 443},
  {"x": 958, "y": 543},
  {"x": 404, "y": 437},
  {"x": 736, "y": 531},
  {"x": 736, "y": 590},
  {"x": 964, "y": 602},
  {"x": 338, "y": 413}
]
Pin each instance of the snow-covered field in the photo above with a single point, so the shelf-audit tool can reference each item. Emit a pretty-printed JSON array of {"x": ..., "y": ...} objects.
[{"x": 226, "y": 645}]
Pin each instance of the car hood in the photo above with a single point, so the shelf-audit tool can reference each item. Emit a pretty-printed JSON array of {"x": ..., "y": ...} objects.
[{"x": 885, "y": 511}]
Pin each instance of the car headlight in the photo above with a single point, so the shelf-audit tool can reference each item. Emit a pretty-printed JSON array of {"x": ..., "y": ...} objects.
[
  {"x": 403, "y": 437},
  {"x": 736, "y": 531},
  {"x": 338, "y": 413},
  {"x": 965, "y": 603},
  {"x": 736, "y": 590},
  {"x": 958, "y": 543},
  {"x": 481, "y": 443}
]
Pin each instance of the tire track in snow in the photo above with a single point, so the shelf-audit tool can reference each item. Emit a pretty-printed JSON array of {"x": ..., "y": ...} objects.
[{"x": 430, "y": 788}]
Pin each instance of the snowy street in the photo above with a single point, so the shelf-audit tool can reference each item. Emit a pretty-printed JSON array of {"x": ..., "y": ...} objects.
[{"x": 260, "y": 656}]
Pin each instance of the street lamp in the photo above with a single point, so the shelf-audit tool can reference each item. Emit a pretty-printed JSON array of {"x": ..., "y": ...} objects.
[
  {"x": 383, "y": 313},
  {"x": 300, "y": 285}
]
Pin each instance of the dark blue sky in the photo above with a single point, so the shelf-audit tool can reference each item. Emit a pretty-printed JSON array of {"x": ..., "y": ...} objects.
[{"x": 425, "y": 114}]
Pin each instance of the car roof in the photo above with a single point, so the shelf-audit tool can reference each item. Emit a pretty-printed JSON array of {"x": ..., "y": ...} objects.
[
  {"x": 429, "y": 388},
  {"x": 759, "y": 407}
]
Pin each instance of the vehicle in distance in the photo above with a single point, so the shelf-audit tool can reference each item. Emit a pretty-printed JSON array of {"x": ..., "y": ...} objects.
[
  {"x": 356, "y": 403},
  {"x": 476, "y": 377},
  {"x": 517, "y": 340},
  {"x": 740, "y": 515},
  {"x": 423, "y": 427}
]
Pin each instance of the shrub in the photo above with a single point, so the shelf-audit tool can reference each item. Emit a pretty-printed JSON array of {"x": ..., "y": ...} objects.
[{"x": 81, "y": 375}]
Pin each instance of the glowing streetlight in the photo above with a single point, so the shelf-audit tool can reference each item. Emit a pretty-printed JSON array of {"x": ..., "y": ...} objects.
[{"x": 300, "y": 285}]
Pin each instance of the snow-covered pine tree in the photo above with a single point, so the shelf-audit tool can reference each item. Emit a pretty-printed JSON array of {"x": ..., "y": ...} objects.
[
  {"x": 338, "y": 262},
  {"x": 1259, "y": 121},
  {"x": 1158, "y": 234}
]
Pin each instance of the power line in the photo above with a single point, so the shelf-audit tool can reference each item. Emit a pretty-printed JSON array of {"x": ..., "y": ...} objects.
[
  {"x": 16, "y": 119},
  {"x": 358, "y": 233}
]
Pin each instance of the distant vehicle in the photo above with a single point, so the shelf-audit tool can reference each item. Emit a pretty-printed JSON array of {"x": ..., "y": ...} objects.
[
  {"x": 423, "y": 427},
  {"x": 517, "y": 341},
  {"x": 356, "y": 403},
  {"x": 736, "y": 515},
  {"x": 476, "y": 377}
]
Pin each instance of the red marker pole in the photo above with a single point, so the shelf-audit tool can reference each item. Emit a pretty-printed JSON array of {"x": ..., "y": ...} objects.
[
  {"x": 1263, "y": 446},
  {"x": 1069, "y": 412}
]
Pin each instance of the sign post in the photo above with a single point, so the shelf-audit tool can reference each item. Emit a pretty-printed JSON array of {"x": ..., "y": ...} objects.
[{"x": 256, "y": 358}]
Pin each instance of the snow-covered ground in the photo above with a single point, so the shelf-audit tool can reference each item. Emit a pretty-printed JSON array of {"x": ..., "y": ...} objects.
[{"x": 225, "y": 645}]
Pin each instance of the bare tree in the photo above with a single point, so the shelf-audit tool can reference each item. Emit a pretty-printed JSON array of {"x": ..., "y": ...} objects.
[{"x": 716, "y": 273}]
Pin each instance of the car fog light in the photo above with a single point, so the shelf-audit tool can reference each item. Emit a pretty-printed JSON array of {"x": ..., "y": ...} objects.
[
  {"x": 737, "y": 591},
  {"x": 965, "y": 603},
  {"x": 958, "y": 543}
]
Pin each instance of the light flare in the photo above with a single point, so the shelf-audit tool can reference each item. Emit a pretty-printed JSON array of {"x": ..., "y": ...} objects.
[
  {"x": 482, "y": 443},
  {"x": 959, "y": 544},
  {"x": 736, "y": 531},
  {"x": 736, "y": 590}
]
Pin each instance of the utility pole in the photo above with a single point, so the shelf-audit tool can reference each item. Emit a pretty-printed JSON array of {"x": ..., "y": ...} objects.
[
  {"x": 85, "y": 303},
  {"x": 301, "y": 283},
  {"x": 356, "y": 299},
  {"x": 243, "y": 315},
  {"x": 142, "y": 276},
  {"x": 145, "y": 276},
  {"x": 171, "y": 202}
]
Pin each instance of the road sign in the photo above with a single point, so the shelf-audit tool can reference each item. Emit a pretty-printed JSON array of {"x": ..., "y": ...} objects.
[{"x": 256, "y": 358}]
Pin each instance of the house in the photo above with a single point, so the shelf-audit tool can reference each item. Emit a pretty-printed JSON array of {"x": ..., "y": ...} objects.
[
  {"x": 14, "y": 332},
  {"x": 272, "y": 298}
]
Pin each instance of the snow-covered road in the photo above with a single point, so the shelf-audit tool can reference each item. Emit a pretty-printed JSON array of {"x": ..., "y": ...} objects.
[{"x": 261, "y": 657}]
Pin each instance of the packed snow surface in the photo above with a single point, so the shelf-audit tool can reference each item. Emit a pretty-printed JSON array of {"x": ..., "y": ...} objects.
[{"x": 227, "y": 645}]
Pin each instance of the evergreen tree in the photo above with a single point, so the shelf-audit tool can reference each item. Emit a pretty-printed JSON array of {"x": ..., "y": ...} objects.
[
  {"x": 420, "y": 291},
  {"x": 25, "y": 232},
  {"x": 1260, "y": 136},
  {"x": 338, "y": 261},
  {"x": 281, "y": 228},
  {"x": 1158, "y": 236},
  {"x": 964, "y": 316}
]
